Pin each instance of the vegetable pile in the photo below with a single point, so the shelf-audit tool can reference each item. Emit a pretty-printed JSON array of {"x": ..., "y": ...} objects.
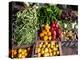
[
  {"x": 68, "y": 15},
  {"x": 26, "y": 26},
  {"x": 20, "y": 53},
  {"x": 69, "y": 35},
  {"x": 43, "y": 30},
  {"x": 45, "y": 34},
  {"x": 56, "y": 31},
  {"x": 45, "y": 49}
]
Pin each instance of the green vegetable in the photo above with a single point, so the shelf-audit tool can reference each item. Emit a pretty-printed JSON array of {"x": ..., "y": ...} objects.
[
  {"x": 47, "y": 13},
  {"x": 26, "y": 26}
]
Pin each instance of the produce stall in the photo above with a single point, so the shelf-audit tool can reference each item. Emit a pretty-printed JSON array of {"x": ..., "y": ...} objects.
[{"x": 42, "y": 30}]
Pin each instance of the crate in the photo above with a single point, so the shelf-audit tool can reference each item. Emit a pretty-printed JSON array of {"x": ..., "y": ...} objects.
[{"x": 34, "y": 54}]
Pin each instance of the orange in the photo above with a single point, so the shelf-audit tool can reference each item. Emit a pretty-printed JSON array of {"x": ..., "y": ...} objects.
[
  {"x": 15, "y": 53},
  {"x": 45, "y": 32},
  {"x": 50, "y": 37},
  {"x": 47, "y": 27},
  {"x": 41, "y": 34},
  {"x": 45, "y": 38},
  {"x": 49, "y": 33}
]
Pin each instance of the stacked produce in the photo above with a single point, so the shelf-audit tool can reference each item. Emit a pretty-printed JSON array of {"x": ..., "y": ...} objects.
[
  {"x": 20, "y": 53},
  {"x": 45, "y": 33},
  {"x": 68, "y": 15},
  {"x": 47, "y": 48},
  {"x": 69, "y": 35},
  {"x": 43, "y": 30},
  {"x": 56, "y": 31},
  {"x": 26, "y": 26},
  {"x": 13, "y": 53}
]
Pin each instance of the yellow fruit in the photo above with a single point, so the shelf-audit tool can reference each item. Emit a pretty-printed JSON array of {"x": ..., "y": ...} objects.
[
  {"x": 50, "y": 37},
  {"x": 41, "y": 34},
  {"x": 40, "y": 45},
  {"x": 26, "y": 54},
  {"x": 52, "y": 46},
  {"x": 42, "y": 49},
  {"x": 50, "y": 50},
  {"x": 20, "y": 50},
  {"x": 23, "y": 56},
  {"x": 58, "y": 52},
  {"x": 44, "y": 32},
  {"x": 57, "y": 45},
  {"x": 49, "y": 33},
  {"x": 46, "y": 50},
  {"x": 55, "y": 49},
  {"x": 23, "y": 53},
  {"x": 44, "y": 46},
  {"x": 47, "y": 27},
  {"x": 20, "y": 55},
  {"x": 54, "y": 53},
  {"x": 50, "y": 54},
  {"x": 42, "y": 52},
  {"x": 45, "y": 38},
  {"x": 25, "y": 50},
  {"x": 46, "y": 54},
  {"x": 48, "y": 45}
]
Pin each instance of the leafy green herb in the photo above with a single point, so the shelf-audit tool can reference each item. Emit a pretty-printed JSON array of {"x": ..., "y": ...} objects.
[{"x": 26, "y": 26}]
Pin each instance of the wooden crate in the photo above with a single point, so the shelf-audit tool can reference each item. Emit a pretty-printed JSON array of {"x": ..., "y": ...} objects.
[{"x": 39, "y": 41}]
